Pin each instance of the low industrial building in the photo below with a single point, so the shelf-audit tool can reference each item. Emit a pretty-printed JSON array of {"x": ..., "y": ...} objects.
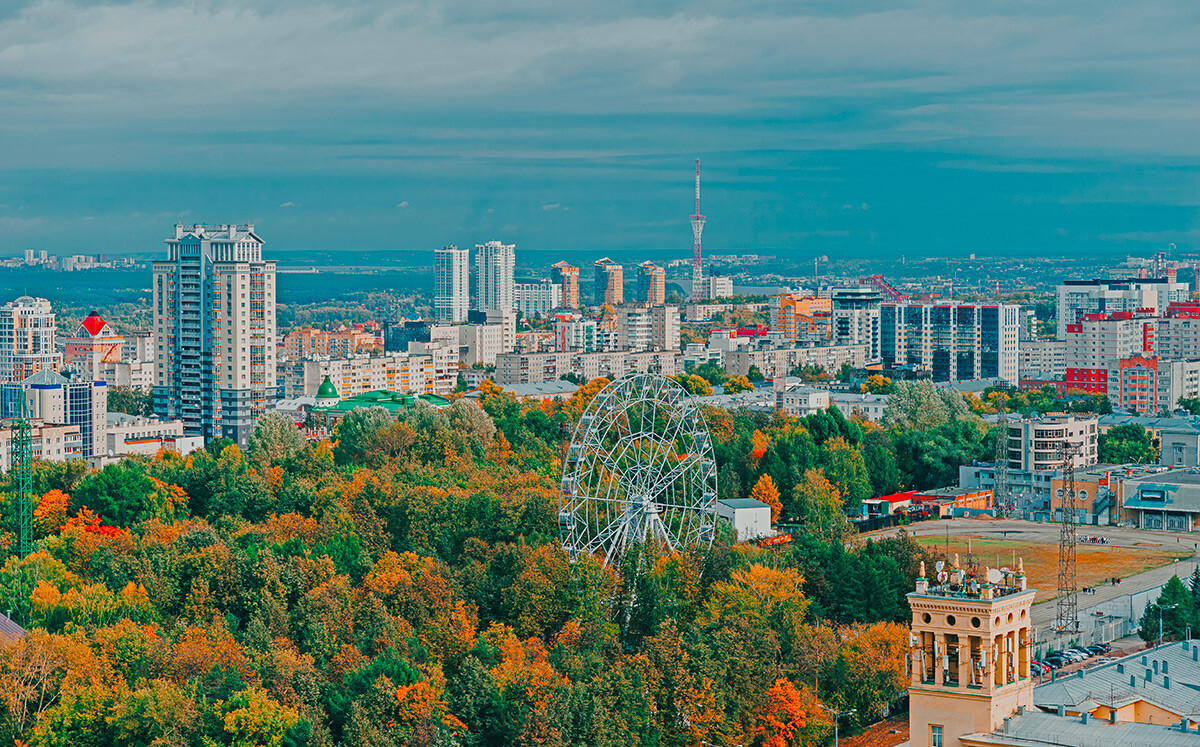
[
  {"x": 1167, "y": 500},
  {"x": 750, "y": 518},
  {"x": 129, "y": 435}
]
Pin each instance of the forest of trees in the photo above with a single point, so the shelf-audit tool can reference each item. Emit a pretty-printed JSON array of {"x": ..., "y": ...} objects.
[{"x": 404, "y": 585}]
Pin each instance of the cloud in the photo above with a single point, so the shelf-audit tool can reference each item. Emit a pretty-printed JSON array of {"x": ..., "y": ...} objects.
[
  {"x": 288, "y": 204},
  {"x": 550, "y": 206},
  {"x": 402, "y": 204}
]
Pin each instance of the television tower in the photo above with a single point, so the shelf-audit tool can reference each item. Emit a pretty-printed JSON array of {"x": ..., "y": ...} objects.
[{"x": 697, "y": 229}]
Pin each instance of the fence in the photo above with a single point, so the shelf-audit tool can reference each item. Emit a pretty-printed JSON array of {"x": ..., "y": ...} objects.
[{"x": 1049, "y": 640}]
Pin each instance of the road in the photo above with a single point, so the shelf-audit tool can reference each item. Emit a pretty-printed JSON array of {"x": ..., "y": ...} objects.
[{"x": 1044, "y": 612}]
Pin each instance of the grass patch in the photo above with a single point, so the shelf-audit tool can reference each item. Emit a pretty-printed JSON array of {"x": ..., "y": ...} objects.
[{"x": 1095, "y": 564}]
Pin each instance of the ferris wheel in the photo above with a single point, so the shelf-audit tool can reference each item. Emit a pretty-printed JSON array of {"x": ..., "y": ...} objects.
[{"x": 640, "y": 469}]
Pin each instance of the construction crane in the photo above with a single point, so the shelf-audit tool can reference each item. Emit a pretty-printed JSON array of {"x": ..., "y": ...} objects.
[
  {"x": 1067, "y": 617},
  {"x": 21, "y": 474}
]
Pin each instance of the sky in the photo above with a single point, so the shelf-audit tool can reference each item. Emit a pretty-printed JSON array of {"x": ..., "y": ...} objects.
[{"x": 840, "y": 128}]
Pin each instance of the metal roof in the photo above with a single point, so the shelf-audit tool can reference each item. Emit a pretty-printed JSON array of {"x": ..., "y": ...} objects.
[
  {"x": 1037, "y": 729},
  {"x": 743, "y": 503}
]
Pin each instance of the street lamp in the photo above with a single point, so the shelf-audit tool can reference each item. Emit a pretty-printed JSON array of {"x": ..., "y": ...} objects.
[
  {"x": 837, "y": 715},
  {"x": 1162, "y": 607}
]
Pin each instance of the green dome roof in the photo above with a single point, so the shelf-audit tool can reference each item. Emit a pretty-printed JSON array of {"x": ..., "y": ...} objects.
[{"x": 327, "y": 390}]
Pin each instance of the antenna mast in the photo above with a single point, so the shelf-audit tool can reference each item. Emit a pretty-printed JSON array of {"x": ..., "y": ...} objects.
[
  {"x": 697, "y": 229},
  {"x": 1000, "y": 490},
  {"x": 1068, "y": 603},
  {"x": 21, "y": 466}
]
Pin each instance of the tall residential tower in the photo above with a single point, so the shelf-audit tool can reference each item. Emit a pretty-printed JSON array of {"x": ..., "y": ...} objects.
[
  {"x": 451, "y": 284},
  {"x": 652, "y": 284},
  {"x": 568, "y": 277},
  {"x": 27, "y": 339},
  {"x": 494, "y": 266},
  {"x": 214, "y": 331}
]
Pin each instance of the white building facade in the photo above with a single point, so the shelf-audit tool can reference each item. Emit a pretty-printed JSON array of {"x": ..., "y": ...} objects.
[
  {"x": 494, "y": 267},
  {"x": 451, "y": 284}
]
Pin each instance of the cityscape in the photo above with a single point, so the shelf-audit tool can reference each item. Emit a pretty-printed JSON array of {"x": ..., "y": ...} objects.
[{"x": 530, "y": 400}]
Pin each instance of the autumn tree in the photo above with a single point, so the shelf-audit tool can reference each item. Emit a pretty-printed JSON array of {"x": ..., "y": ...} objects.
[
  {"x": 765, "y": 492},
  {"x": 791, "y": 716},
  {"x": 819, "y": 505}
]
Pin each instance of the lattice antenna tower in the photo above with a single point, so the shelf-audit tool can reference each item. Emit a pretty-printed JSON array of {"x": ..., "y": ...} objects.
[
  {"x": 1000, "y": 491},
  {"x": 1067, "y": 618},
  {"x": 697, "y": 229},
  {"x": 21, "y": 474}
]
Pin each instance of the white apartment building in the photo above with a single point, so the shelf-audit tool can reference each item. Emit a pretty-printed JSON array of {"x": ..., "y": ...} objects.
[
  {"x": 535, "y": 368},
  {"x": 1177, "y": 332},
  {"x": 53, "y": 442},
  {"x": 474, "y": 343},
  {"x": 137, "y": 345},
  {"x": 712, "y": 286},
  {"x": 1042, "y": 358},
  {"x": 535, "y": 300},
  {"x": 576, "y": 334},
  {"x": 857, "y": 404},
  {"x": 952, "y": 341},
  {"x": 27, "y": 343},
  {"x": 782, "y": 361},
  {"x": 430, "y": 368},
  {"x": 214, "y": 331},
  {"x": 664, "y": 327},
  {"x": 1033, "y": 444},
  {"x": 802, "y": 401},
  {"x": 633, "y": 327},
  {"x": 131, "y": 435},
  {"x": 855, "y": 316},
  {"x": 494, "y": 267},
  {"x": 1077, "y": 298},
  {"x": 451, "y": 284}
]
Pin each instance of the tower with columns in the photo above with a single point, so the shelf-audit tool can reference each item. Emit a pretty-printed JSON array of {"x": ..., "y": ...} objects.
[{"x": 969, "y": 653}]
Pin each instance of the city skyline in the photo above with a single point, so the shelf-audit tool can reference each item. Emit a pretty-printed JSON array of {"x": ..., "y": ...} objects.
[{"x": 917, "y": 129}]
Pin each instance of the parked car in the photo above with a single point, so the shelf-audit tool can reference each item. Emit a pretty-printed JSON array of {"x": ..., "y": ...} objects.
[
  {"x": 1104, "y": 647},
  {"x": 1096, "y": 649},
  {"x": 1053, "y": 662},
  {"x": 1083, "y": 652},
  {"x": 1038, "y": 667}
]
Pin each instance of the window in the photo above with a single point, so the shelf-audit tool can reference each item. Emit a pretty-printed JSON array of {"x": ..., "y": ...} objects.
[{"x": 935, "y": 735}]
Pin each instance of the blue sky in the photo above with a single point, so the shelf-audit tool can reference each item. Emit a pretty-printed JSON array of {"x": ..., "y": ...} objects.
[{"x": 824, "y": 128}]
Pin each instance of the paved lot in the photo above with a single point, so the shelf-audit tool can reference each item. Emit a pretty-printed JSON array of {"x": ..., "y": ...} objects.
[{"x": 1027, "y": 531}]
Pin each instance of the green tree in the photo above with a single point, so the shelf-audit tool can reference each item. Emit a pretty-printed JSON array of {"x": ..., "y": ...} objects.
[
  {"x": 819, "y": 505},
  {"x": 844, "y": 466},
  {"x": 1178, "y": 611},
  {"x": 274, "y": 439},
  {"x": 1126, "y": 444},
  {"x": 130, "y": 400},
  {"x": 754, "y": 374},
  {"x": 358, "y": 431},
  {"x": 120, "y": 493}
]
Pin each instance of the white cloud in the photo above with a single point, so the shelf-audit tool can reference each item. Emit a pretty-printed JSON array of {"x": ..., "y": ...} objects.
[
  {"x": 402, "y": 204},
  {"x": 550, "y": 206},
  {"x": 288, "y": 204}
]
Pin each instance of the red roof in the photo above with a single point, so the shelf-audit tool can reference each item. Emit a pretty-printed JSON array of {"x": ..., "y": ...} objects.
[
  {"x": 898, "y": 497},
  {"x": 94, "y": 324}
]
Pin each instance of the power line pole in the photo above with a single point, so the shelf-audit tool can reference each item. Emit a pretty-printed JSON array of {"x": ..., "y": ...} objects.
[{"x": 1067, "y": 619}]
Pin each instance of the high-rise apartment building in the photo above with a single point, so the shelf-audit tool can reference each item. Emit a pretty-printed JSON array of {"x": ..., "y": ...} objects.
[
  {"x": 609, "y": 284},
  {"x": 451, "y": 284},
  {"x": 568, "y": 277},
  {"x": 633, "y": 327},
  {"x": 573, "y": 332},
  {"x": 494, "y": 267},
  {"x": 652, "y": 284},
  {"x": 1078, "y": 298},
  {"x": 1097, "y": 341},
  {"x": 53, "y": 398},
  {"x": 855, "y": 314},
  {"x": 214, "y": 331},
  {"x": 952, "y": 341},
  {"x": 664, "y": 327},
  {"x": 27, "y": 339},
  {"x": 536, "y": 299}
]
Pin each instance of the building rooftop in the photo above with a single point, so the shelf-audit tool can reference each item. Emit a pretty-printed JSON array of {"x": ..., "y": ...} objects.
[
  {"x": 952, "y": 492},
  {"x": 9, "y": 630},
  {"x": 391, "y": 401},
  {"x": 543, "y": 389},
  {"x": 1166, "y": 676},
  {"x": 743, "y": 503},
  {"x": 45, "y": 378},
  {"x": 1037, "y": 729}
]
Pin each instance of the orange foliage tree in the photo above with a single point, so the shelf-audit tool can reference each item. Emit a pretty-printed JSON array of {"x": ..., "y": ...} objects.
[
  {"x": 791, "y": 717},
  {"x": 765, "y": 492}
]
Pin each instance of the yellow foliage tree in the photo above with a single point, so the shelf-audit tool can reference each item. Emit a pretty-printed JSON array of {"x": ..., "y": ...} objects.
[
  {"x": 766, "y": 492},
  {"x": 51, "y": 511}
]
